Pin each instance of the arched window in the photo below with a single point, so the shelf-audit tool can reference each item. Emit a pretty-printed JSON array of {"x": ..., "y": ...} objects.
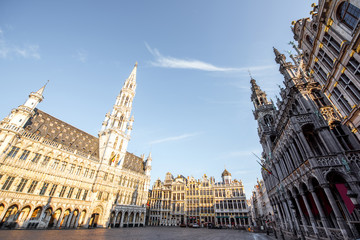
[
  {"x": 313, "y": 139},
  {"x": 116, "y": 141},
  {"x": 268, "y": 120},
  {"x": 348, "y": 14},
  {"x": 121, "y": 121},
  {"x": 310, "y": 40},
  {"x": 318, "y": 98}
]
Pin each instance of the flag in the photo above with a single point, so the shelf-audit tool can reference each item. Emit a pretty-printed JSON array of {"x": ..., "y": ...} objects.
[
  {"x": 120, "y": 160},
  {"x": 113, "y": 158},
  {"x": 263, "y": 167}
]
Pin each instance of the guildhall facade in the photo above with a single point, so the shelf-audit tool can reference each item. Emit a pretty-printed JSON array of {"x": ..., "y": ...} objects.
[
  {"x": 189, "y": 201},
  {"x": 54, "y": 175}
]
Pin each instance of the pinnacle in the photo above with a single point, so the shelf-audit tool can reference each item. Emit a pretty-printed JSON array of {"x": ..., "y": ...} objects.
[{"x": 41, "y": 90}]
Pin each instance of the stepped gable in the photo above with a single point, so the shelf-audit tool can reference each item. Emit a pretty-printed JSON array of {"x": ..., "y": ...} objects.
[
  {"x": 133, "y": 163},
  {"x": 51, "y": 128}
]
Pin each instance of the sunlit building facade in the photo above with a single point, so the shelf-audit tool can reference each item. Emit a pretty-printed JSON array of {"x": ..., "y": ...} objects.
[
  {"x": 330, "y": 43},
  {"x": 198, "y": 201},
  {"x": 54, "y": 175},
  {"x": 262, "y": 214}
]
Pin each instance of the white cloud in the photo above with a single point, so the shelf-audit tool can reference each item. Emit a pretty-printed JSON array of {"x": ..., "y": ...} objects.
[
  {"x": 8, "y": 50},
  {"x": 174, "y": 138},
  {"x": 81, "y": 55},
  {"x": 171, "y": 62}
]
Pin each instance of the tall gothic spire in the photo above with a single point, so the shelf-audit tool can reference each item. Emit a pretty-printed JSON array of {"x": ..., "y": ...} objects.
[
  {"x": 279, "y": 58},
  {"x": 117, "y": 125},
  {"x": 258, "y": 97},
  {"x": 41, "y": 90}
]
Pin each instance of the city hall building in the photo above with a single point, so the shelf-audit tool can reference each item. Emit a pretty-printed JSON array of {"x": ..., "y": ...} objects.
[
  {"x": 312, "y": 159},
  {"x": 54, "y": 175},
  {"x": 188, "y": 201}
]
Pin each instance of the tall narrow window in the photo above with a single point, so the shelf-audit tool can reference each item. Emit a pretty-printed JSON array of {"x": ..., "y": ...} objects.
[
  {"x": 8, "y": 183},
  {"x": 52, "y": 190},
  {"x": 86, "y": 172},
  {"x": 343, "y": 138},
  {"x": 318, "y": 98},
  {"x": 325, "y": 59},
  {"x": 36, "y": 158},
  {"x": 55, "y": 164},
  {"x": 320, "y": 72},
  {"x": 44, "y": 188},
  {"x": 333, "y": 45},
  {"x": 348, "y": 14},
  {"x": 21, "y": 185},
  {"x": 32, "y": 186},
  {"x": 78, "y": 193},
  {"x": 85, "y": 195},
  {"x": 313, "y": 140},
  {"x": 13, "y": 152},
  {"x": 63, "y": 166},
  {"x": 343, "y": 102},
  {"x": 62, "y": 192},
  {"x": 70, "y": 192},
  {"x": 99, "y": 195},
  {"x": 350, "y": 88},
  {"x": 45, "y": 161},
  {"x": 24, "y": 155},
  {"x": 354, "y": 67}
]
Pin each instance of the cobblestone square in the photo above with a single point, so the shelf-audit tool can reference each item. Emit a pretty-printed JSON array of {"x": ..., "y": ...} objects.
[{"x": 147, "y": 233}]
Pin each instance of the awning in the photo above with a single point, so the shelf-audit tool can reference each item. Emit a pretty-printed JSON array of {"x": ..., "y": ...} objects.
[{"x": 222, "y": 216}]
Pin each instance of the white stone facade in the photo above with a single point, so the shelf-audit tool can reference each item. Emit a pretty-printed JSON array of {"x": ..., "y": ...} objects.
[{"x": 54, "y": 175}]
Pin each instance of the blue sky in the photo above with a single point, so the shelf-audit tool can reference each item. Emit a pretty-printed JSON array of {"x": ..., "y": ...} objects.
[{"x": 192, "y": 107}]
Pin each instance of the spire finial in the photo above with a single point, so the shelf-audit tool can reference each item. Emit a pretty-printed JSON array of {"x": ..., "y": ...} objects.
[
  {"x": 250, "y": 74},
  {"x": 41, "y": 90}
]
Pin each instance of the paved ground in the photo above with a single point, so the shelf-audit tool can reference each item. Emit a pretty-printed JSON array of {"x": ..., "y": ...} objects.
[{"x": 147, "y": 233}]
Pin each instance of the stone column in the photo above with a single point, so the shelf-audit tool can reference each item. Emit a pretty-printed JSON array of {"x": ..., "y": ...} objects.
[
  {"x": 122, "y": 219},
  {"x": 68, "y": 220},
  {"x": 321, "y": 211},
  {"x": 301, "y": 149},
  {"x": 114, "y": 220},
  {"x": 134, "y": 219},
  {"x": 303, "y": 219},
  {"x": 77, "y": 220},
  {"x": 311, "y": 215},
  {"x": 342, "y": 224},
  {"x": 288, "y": 203},
  {"x": 287, "y": 213},
  {"x": 26, "y": 221},
  {"x": 60, "y": 218},
  {"x": 279, "y": 213},
  {"x": 305, "y": 144},
  {"x": 289, "y": 158}
]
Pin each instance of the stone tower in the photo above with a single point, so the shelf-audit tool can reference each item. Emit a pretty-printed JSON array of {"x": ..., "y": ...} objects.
[
  {"x": 116, "y": 128},
  {"x": 264, "y": 113}
]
